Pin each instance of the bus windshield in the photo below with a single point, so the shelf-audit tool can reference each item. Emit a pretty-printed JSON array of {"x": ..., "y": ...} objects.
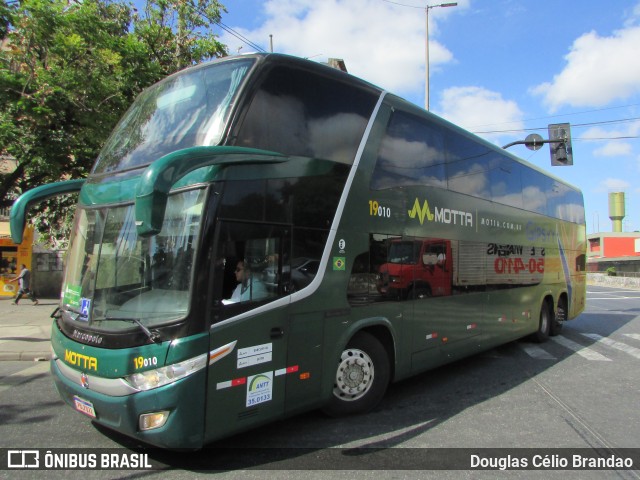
[
  {"x": 114, "y": 276},
  {"x": 186, "y": 110}
]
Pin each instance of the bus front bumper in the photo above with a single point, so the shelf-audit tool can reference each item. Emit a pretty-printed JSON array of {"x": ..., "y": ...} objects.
[{"x": 178, "y": 407}]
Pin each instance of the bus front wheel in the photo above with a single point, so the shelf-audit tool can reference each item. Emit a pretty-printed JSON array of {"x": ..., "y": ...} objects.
[{"x": 361, "y": 377}]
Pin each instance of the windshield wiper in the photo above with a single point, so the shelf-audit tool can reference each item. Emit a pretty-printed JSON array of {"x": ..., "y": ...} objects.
[
  {"x": 153, "y": 335},
  {"x": 70, "y": 312}
]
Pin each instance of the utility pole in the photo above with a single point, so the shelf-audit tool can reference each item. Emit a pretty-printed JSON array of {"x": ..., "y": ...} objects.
[{"x": 426, "y": 49}]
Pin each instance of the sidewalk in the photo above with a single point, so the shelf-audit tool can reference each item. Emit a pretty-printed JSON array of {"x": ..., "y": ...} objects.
[{"x": 25, "y": 329}]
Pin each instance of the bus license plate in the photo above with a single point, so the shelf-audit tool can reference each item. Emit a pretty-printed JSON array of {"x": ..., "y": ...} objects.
[{"x": 84, "y": 406}]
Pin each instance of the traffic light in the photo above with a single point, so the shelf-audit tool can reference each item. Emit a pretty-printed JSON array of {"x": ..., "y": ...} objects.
[{"x": 560, "y": 144}]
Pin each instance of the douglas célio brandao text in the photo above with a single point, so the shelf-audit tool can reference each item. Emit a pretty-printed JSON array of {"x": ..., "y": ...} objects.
[{"x": 551, "y": 462}]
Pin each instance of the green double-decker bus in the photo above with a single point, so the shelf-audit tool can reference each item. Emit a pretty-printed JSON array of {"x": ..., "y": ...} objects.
[{"x": 263, "y": 235}]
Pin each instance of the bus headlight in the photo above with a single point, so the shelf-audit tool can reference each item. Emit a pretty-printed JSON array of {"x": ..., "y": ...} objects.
[{"x": 163, "y": 376}]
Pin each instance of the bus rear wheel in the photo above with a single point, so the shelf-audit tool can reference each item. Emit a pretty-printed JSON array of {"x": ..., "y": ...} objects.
[
  {"x": 361, "y": 377},
  {"x": 560, "y": 317},
  {"x": 544, "y": 325}
]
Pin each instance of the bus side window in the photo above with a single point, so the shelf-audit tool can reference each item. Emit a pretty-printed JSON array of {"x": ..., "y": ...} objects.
[
  {"x": 251, "y": 264},
  {"x": 468, "y": 165},
  {"x": 411, "y": 153},
  {"x": 294, "y": 112},
  {"x": 369, "y": 278},
  {"x": 358, "y": 288}
]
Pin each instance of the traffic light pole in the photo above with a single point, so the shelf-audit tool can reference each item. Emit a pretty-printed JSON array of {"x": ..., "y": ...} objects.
[
  {"x": 532, "y": 144},
  {"x": 559, "y": 140}
]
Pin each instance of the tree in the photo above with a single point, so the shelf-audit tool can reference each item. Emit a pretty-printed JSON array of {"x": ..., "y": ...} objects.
[
  {"x": 69, "y": 70},
  {"x": 175, "y": 31}
]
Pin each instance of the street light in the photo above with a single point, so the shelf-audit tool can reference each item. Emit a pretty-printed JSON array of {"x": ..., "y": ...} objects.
[{"x": 426, "y": 50}]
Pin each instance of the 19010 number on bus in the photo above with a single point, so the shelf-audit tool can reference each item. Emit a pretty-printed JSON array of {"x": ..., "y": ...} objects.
[
  {"x": 142, "y": 362},
  {"x": 377, "y": 210}
]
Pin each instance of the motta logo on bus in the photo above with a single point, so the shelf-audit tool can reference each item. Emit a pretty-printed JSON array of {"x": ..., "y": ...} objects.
[{"x": 441, "y": 215}]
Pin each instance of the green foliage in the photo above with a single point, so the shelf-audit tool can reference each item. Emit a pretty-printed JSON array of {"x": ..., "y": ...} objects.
[
  {"x": 69, "y": 70},
  {"x": 175, "y": 31}
]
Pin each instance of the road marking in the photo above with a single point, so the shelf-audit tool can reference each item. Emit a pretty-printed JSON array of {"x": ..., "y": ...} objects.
[
  {"x": 633, "y": 351},
  {"x": 23, "y": 375},
  {"x": 635, "y": 336},
  {"x": 581, "y": 350},
  {"x": 613, "y": 298},
  {"x": 536, "y": 352},
  {"x": 612, "y": 292}
]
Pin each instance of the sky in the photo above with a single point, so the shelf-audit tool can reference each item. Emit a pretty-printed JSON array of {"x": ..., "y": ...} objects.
[{"x": 502, "y": 69}]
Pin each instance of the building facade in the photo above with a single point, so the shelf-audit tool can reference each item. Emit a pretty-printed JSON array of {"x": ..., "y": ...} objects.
[{"x": 620, "y": 250}]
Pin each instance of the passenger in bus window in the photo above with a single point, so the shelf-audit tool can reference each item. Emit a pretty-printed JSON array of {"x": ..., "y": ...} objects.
[{"x": 249, "y": 287}]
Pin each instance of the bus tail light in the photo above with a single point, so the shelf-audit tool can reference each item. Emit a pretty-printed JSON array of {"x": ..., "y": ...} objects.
[{"x": 150, "y": 421}]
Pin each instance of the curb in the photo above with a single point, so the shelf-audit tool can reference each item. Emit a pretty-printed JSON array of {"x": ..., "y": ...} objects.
[{"x": 24, "y": 357}]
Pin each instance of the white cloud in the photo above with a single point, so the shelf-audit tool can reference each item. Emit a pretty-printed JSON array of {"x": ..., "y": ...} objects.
[
  {"x": 599, "y": 70},
  {"x": 381, "y": 42},
  {"x": 613, "y": 185},
  {"x": 614, "y": 149},
  {"x": 617, "y": 146},
  {"x": 634, "y": 16},
  {"x": 476, "y": 109}
]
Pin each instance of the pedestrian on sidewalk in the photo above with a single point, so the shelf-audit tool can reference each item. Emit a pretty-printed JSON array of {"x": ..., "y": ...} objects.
[{"x": 24, "y": 281}]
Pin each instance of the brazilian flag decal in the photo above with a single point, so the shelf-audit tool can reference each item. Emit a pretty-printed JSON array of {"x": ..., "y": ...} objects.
[{"x": 339, "y": 263}]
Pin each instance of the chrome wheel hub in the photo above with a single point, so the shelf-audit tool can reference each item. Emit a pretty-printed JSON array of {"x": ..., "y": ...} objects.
[{"x": 354, "y": 376}]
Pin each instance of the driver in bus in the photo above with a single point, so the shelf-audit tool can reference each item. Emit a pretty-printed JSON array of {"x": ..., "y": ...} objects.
[{"x": 249, "y": 287}]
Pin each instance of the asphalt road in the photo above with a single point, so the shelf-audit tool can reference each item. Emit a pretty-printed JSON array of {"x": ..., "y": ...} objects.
[{"x": 579, "y": 390}]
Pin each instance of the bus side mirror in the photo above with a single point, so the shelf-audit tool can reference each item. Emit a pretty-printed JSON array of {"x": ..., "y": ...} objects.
[
  {"x": 18, "y": 216},
  {"x": 156, "y": 182}
]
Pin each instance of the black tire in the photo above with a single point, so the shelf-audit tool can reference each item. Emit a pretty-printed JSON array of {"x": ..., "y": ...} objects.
[
  {"x": 361, "y": 377},
  {"x": 558, "y": 318},
  {"x": 419, "y": 293},
  {"x": 544, "y": 325}
]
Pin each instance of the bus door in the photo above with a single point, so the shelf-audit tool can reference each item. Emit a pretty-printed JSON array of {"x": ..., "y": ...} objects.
[{"x": 248, "y": 340}]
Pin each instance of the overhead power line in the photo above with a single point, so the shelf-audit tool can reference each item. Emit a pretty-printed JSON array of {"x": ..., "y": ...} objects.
[
  {"x": 229, "y": 30},
  {"x": 240, "y": 37},
  {"x": 607, "y": 138},
  {"x": 573, "y": 125},
  {"x": 562, "y": 115},
  {"x": 404, "y": 4}
]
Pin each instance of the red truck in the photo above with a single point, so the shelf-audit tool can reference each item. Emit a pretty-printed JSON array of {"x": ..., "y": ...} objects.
[
  {"x": 435, "y": 267},
  {"x": 417, "y": 269}
]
